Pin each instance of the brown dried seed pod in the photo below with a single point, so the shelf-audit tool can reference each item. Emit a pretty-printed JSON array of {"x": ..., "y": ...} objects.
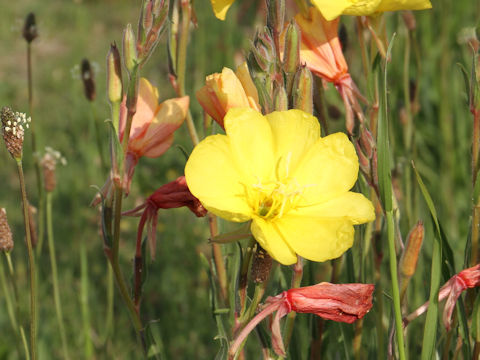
[
  {"x": 88, "y": 80},
  {"x": 6, "y": 239},
  {"x": 49, "y": 164},
  {"x": 261, "y": 265},
  {"x": 30, "y": 31},
  {"x": 13, "y": 132}
]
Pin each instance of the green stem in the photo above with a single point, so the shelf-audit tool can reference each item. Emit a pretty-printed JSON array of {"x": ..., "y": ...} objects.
[
  {"x": 84, "y": 300},
  {"x": 110, "y": 304},
  {"x": 182, "y": 65},
  {"x": 10, "y": 308},
  {"x": 476, "y": 205},
  {"x": 218, "y": 258},
  {"x": 118, "y": 196},
  {"x": 38, "y": 173},
  {"x": 257, "y": 297},
  {"x": 242, "y": 288},
  {"x": 11, "y": 275},
  {"x": 56, "y": 289},
  {"x": 31, "y": 261},
  {"x": 290, "y": 322},
  {"x": 395, "y": 290}
]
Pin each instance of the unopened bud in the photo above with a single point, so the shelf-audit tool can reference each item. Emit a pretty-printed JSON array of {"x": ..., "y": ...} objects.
[
  {"x": 150, "y": 26},
  {"x": 147, "y": 16},
  {"x": 409, "y": 20},
  {"x": 13, "y": 128},
  {"x": 114, "y": 75},
  {"x": 6, "y": 239},
  {"x": 30, "y": 31},
  {"x": 363, "y": 161},
  {"x": 291, "y": 56},
  {"x": 303, "y": 90},
  {"x": 408, "y": 262},
  {"x": 280, "y": 99},
  {"x": 367, "y": 142},
  {"x": 88, "y": 80},
  {"x": 129, "y": 49},
  {"x": 263, "y": 50},
  {"x": 261, "y": 265},
  {"x": 275, "y": 15}
]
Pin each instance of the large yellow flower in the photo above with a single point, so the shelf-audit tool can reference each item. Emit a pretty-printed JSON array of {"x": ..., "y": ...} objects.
[
  {"x": 332, "y": 9},
  {"x": 277, "y": 171}
]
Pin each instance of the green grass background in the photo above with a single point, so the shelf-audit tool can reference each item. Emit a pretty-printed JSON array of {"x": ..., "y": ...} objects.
[{"x": 177, "y": 291}]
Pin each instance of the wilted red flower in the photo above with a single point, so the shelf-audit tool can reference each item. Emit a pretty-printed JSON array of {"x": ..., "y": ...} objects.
[
  {"x": 175, "y": 194},
  {"x": 152, "y": 128},
  {"x": 338, "y": 302},
  {"x": 453, "y": 288},
  {"x": 321, "y": 51}
]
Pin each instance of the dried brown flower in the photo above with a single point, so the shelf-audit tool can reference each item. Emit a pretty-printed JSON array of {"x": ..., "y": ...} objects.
[
  {"x": 13, "y": 130},
  {"x": 49, "y": 164},
  {"x": 6, "y": 239},
  {"x": 88, "y": 80},
  {"x": 30, "y": 31}
]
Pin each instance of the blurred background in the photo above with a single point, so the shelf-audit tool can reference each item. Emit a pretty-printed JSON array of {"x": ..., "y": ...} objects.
[{"x": 177, "y": 290}]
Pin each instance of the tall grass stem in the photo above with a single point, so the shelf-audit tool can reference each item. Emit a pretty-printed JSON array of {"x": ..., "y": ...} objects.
[
  {"x": 56, "y": 289},
  {"x": 84, "y": 281},
  {"x": 31, "y": 261}
]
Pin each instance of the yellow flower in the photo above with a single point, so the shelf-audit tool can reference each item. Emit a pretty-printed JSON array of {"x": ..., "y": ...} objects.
[
  {"x": 277, "y": 171},
  {"x": 220, "y": 7},
  {"x": 332, "y": 9}
]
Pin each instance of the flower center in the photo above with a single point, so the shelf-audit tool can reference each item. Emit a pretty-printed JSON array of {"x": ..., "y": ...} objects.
[{"x": 272, "y": 199}]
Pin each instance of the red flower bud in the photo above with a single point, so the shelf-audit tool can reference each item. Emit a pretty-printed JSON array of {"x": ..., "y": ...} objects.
[{"x": 338, "y": 302}]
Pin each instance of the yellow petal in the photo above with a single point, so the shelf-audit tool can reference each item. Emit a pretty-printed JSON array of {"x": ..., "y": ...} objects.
[
  {"x": 352, "y": 206},
  {"x": 294, "y": 133},
  {"x": 328, "y": 170},
  {"x": 251, "y": 143},
  {"x": 362, "y": 7},
  {"x": 394, "y": 5},
  {"x": 220, "y": 7},
  {"x": 231, "y": 93},
  {"x": 212, "y": 176},
  {"x": 243, "y": 75},
  {"x": 316, "y": 239},
  {"x": 331, "y": 9},
  {"x": 271, "y": 240}
]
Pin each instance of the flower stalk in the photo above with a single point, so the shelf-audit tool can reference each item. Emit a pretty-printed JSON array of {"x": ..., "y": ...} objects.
[
  {"x": 290, "y": 322},
  {"x": 56, "y": 288},
  {"x": 182, "y": 64},
  {"x": 31, "y": 262}
]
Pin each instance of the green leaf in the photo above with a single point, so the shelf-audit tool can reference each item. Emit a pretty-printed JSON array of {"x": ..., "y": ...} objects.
[{"x": 431, "y": 322}]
